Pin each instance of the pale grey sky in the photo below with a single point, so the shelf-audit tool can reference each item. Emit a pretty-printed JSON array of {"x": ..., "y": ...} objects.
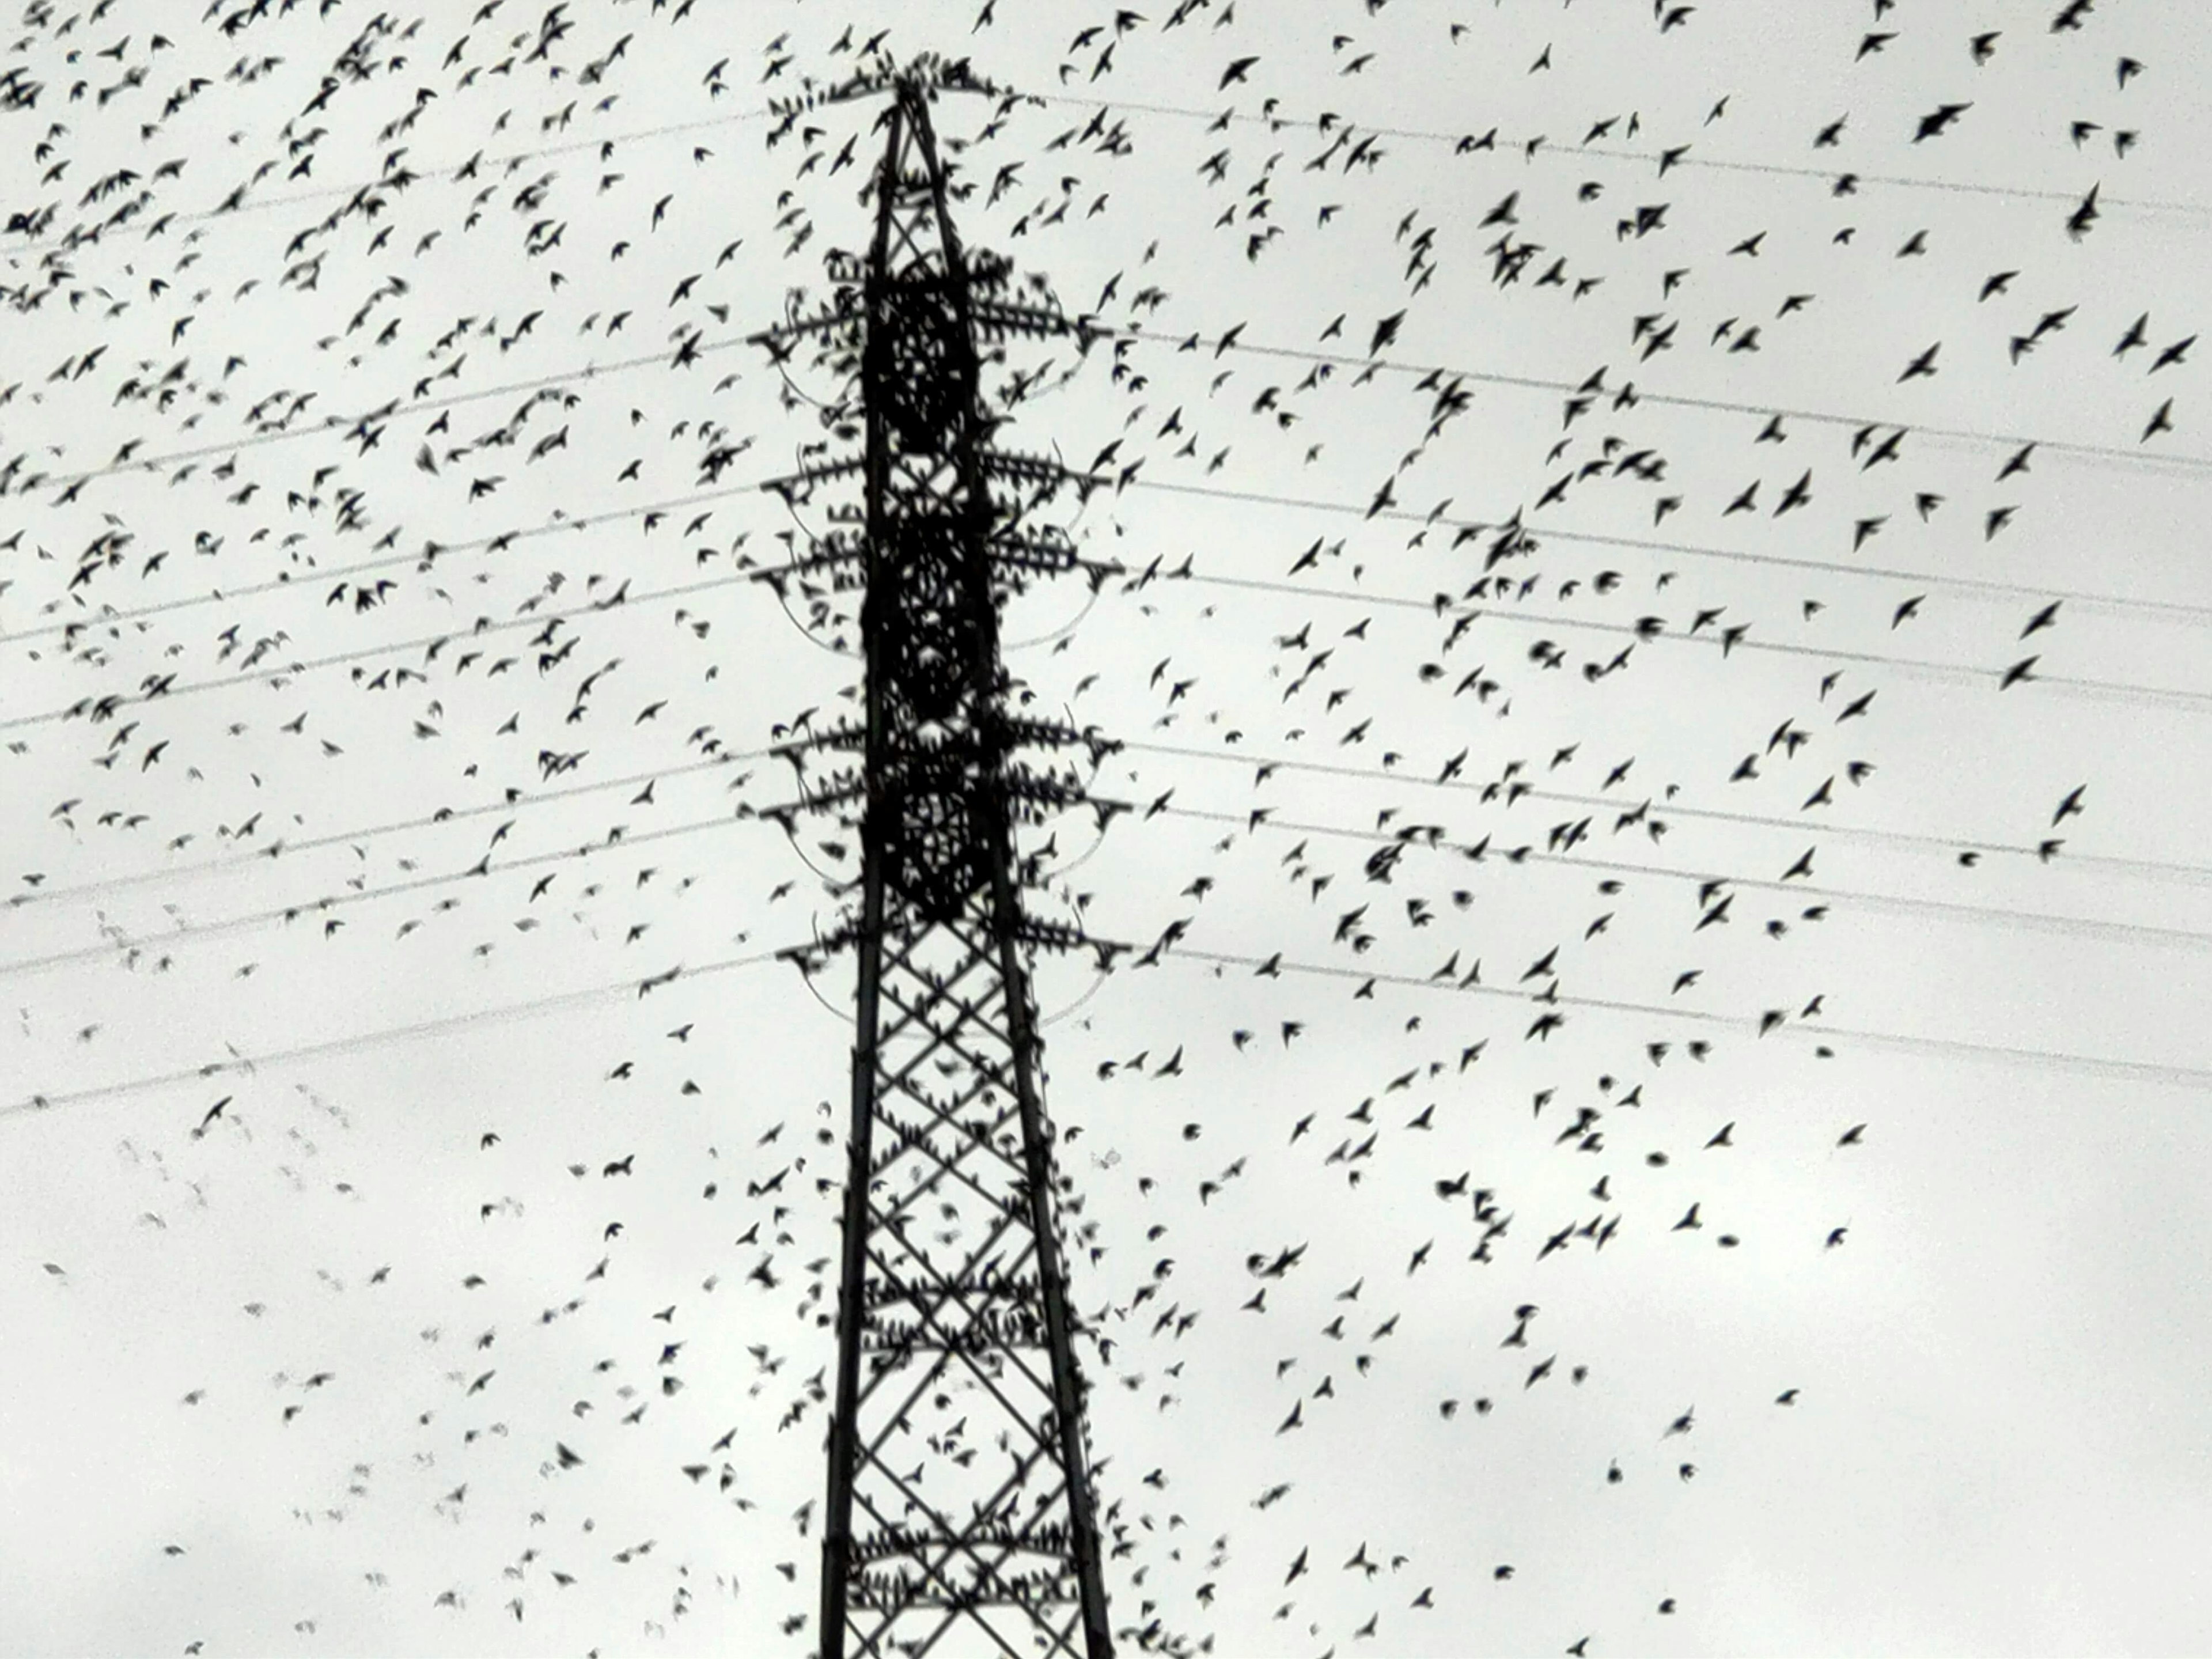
[{"x": 291, "y": 1378}]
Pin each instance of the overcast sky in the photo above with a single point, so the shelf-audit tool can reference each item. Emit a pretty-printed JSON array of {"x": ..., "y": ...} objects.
[{"x": 1722, "y": 477}]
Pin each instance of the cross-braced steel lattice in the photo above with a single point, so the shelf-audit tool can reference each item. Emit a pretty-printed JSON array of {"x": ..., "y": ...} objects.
[{"x": 959, "y": 1513}]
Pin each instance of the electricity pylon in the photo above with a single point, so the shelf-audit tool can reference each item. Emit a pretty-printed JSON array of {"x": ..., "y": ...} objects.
[{"x": 960, "y": 1513}]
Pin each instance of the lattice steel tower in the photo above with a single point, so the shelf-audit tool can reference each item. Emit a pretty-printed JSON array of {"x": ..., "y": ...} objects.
[{"x": 959, "y": 1515}]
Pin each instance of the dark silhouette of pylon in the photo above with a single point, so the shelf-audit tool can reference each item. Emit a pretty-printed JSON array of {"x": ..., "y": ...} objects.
[{"x": 960, "y": 1513}]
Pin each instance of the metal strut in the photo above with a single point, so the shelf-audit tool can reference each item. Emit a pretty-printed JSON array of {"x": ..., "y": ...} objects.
[{"x": 959, "y": 1515}]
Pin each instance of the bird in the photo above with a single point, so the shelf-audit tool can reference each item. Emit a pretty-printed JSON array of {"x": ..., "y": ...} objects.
[
  {"x": 1939, "y": 120},
  {"x": 2084, "y": 214}
]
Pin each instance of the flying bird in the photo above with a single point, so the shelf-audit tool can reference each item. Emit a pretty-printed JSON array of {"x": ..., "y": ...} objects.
[
  {"x": 1939, "y": 120},
  {"x": 2084, "y": 216}
]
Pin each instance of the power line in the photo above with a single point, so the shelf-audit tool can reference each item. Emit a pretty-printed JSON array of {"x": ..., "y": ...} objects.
[
  {"x": 657, "y": 357},
  {"x": 2057, "y": 446},
  {"x": 332, "y": 422},
  {"x": 2100, "y": 453},
  {"x": 1678, "y": 810},
  {"x": 2131, "y": 1071},
  {"x": 425, "y": 556},
  {"x": 671, "y": 504},
  {"x": 2085, "y": 927},
  {"x": 2174, "y": 610},
  {"x": 2181, "y": 1076},
  {"x": 1952, "y": 673},
  {"x": 331, "y": 193},
  {"x": 278, "y": 849},
  {"x": 443, "y": 816},
  {"x": 329, "y": 902},
  {"x": 1955, "y": 186},
  {"x": 317, "y": 907},
  {"x": 1955, "y": 673},
  {"x": 1278, "y": 122},
  {"x": 247, "y": 1065},
  {"x": 293, "y": 670},
  {"x": 539, "y": 619},
  {"x": 290, "y": 670},
  {"x": 2184, "y": 1077}
]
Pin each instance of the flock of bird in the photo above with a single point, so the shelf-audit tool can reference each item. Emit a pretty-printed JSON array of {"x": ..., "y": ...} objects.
[{"x": 377, "y": 472}]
